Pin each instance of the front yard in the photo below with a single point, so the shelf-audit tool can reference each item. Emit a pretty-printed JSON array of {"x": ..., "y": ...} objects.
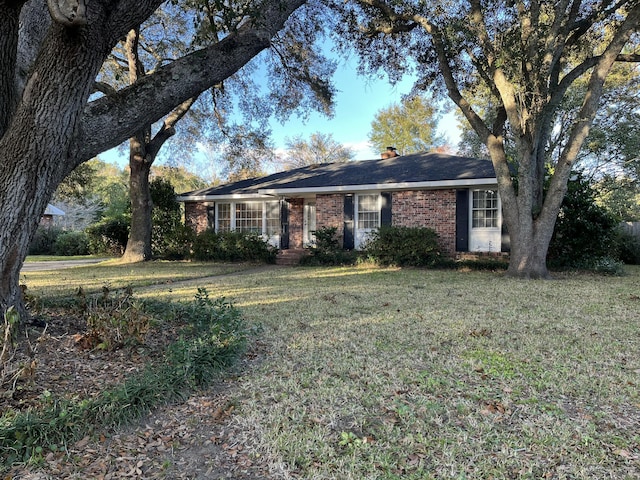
[{"x": 389, "y": 373}]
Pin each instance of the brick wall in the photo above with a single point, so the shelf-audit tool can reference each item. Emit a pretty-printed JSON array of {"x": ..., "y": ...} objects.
[
  {"x": 330, "y": 213},
  {"x": 296, "y": 222},
  {"x": 434, "y": 209},
  {"x": 195, "y": 215},
  {"x": 417, "y": 208}
]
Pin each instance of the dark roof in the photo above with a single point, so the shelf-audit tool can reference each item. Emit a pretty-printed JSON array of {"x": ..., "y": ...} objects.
[{"x": 419, "y": 167}]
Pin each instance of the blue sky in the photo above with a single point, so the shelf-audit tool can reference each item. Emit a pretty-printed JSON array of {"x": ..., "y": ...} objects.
[{"x": 357, "y": 101}]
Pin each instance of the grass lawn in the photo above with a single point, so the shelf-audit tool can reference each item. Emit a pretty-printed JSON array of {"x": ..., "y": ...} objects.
[
  {"x": 111, "y": 274},
  {"x": 56, "y": 258},
  {"x": 414, "y": 374},
  {"x": 368, "y": 373}
]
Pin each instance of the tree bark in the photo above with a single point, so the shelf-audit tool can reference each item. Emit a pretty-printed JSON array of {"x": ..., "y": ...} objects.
[{"x": 139, "y": 242}]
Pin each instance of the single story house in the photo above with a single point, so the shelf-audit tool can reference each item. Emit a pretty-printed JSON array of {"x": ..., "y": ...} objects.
[
  {"x": 49, "y": 213},
  {"x": 456, "y": 196}
]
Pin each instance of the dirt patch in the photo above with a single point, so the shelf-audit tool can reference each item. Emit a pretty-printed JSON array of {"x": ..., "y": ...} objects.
[{"x": 194, "y": 439}]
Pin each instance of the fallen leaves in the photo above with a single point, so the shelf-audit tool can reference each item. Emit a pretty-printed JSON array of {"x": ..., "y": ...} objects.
[
  {"x": 188, "y": 440},
  {"x": 494, "y": 407}
]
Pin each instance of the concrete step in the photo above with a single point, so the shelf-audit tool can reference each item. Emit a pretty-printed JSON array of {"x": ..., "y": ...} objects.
[{"x": 290, "y": 256}]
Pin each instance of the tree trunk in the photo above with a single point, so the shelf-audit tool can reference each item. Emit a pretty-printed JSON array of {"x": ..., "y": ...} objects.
[
  {"x": 36, "y": 149},
  {"x": 528, "y": 257},
  {"x": 139, "y": 242}
]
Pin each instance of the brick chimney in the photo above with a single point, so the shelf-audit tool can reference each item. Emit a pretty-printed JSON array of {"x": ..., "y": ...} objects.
[{"x": 389, "y": 153}]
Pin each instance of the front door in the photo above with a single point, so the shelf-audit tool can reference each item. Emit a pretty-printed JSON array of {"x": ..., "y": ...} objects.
[{"x": 309, "y": 224}]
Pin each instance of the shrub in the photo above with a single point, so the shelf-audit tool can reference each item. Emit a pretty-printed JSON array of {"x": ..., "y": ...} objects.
[
  {"x": 404, "y": 246},
  {"x": 170, "y": 239},
  {"x": 327, "y": 250},
  {"x": 627, "y": 247},
  {"x": 584, "y": 232},
  {"x": 173, "y": 244},
  {"x": 44, "y": 240},
  {"x": 109, "y": 235},
  {"x": 232, "y": 246},
  {"x": 71, "y": 243},
  {"x": 115, "y": 321}
]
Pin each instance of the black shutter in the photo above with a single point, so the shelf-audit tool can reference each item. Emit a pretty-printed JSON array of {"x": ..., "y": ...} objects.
[
  {"x": 505, "y": 245},
  {"x": 211, "y": 217},
  {"x": 462, "y": 220},
  {"x": 385, "y": 211},
  {"x": 349, "y": 241},
  {"x": 284, "y": 224}
]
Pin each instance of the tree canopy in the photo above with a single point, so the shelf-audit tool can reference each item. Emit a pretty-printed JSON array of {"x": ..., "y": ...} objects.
[
  {"x": 526, "y": 55},
  {"x": 319, "y": 148},
  {"x": 409, "y": 126}
]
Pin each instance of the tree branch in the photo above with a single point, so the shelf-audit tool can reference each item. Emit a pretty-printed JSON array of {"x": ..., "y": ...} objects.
[
  {"x": 104, "y": 88},
  {"x": 155, "y": 95},
  {"x": 168, "y": 127},
  {"x": 588, "y": 111}
]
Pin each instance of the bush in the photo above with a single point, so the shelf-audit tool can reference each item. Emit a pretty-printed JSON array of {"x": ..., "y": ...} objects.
[
  {"x": 328, "y": 250},
  {"x": 627, "y": 247},
  {"x": 404, "y": 246},
  {"x": 44, "y": 240},
  {"x": 584, "y": 232},
  {"x": 232, "y": 246},
  {"x": 170, "y": 239},
  {"x": 115, "y": 321},
  {"x": 71, "y": 243},
  {"x": 173, "y": 244},
  {"x": 109, "y": 236}
]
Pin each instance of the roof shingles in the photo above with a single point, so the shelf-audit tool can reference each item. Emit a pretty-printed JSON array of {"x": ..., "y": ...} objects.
[{"x": 415, "y": 168}]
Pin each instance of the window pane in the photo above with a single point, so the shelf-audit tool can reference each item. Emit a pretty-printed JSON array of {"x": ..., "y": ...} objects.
[
  {"x": 368, "y": 211},
  {"x": 273, "y": 218},
  {"x": 249, "y": 217},
  {"x": 484, "y": 209},
  {"x": 224, "y": 217}
]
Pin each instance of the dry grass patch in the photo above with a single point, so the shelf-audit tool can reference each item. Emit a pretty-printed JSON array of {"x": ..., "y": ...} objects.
[{"x": 387, "y": 373}]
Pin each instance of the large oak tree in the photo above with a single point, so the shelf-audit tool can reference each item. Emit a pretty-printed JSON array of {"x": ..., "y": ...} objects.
[
  {"x": 49, "y": 121},
  {"x": 526, "y": 54}
]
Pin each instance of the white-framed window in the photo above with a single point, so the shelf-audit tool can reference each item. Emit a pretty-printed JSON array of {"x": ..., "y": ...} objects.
[
  {"x": 249, "y": 217},
  {"x": 223, "y": 222},
  {"x": 262, "y": 218},
  {"x": 485, "y": 209},
  {"x": 368, "y": 216}
]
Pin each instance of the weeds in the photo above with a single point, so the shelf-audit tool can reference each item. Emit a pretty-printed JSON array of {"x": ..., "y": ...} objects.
[{"x": 115, "y": 321}]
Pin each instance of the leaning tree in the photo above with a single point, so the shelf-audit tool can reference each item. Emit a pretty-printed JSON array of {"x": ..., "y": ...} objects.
[
  {"x": 295, "y": 73},
  {"x": 526, "y": 54},
  {"x": 50, "y": 55}
]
